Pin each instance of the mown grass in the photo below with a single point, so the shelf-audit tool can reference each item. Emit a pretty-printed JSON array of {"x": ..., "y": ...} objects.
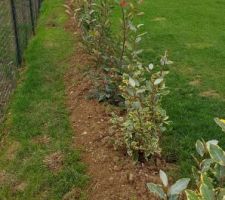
[
  {"x": 193, "y": 32},
  {"x": 38, "y": 109}
]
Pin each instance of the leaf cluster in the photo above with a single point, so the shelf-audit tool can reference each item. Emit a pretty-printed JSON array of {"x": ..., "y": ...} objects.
[{"x": 209, "y": 174}]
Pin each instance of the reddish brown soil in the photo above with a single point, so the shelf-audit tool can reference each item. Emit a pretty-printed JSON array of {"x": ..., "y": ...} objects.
[{"x": 113, "y": 174}]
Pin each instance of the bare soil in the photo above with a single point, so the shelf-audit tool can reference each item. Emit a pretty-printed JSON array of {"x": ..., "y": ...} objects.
[{"x": 113, "y": 174}]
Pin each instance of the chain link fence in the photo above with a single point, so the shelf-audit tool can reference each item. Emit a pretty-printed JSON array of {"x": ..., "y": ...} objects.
[{"x": 17, "y": 24}]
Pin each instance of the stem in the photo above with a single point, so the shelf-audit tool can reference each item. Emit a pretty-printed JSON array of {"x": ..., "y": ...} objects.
[
  {"x": 153, "y": 102},
  {"x": 124, "y": 36}
]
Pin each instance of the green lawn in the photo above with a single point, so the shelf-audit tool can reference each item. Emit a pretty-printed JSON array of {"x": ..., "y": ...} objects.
[
  {"x": 194, "y": 34},
  {"x": 36, "y": 137}
]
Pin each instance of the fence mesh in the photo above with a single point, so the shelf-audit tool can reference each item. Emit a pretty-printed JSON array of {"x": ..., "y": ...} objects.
[{"x": 17, "y": 22}]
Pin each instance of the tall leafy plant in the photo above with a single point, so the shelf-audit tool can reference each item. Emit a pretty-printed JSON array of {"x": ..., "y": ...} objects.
[
  {"x": 94, "y": 22},
  {"x": 123, "y": 50},
  {"x": 131, "y": 34},
  {"x": 145, "y": 120},
  {"x": 142, "y": 88}
]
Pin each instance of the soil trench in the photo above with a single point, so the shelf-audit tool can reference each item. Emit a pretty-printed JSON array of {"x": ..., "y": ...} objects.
[{"x": 113, "y": 175}]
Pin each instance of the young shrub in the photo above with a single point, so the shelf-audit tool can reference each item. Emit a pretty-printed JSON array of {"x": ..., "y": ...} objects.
[
  {"x": 124, "y": 51},
  {"x": 130, "y": 35},
  {"x": 84, "y": 16},
  {"x": 144, "y": 122},
  {"x": 94, "y": 22},
  {"x": 142, "y": 88},
  {"x": 209, "y": 174},
  {"x": 112, "y": 53},
  {"x": 166, "y": 192}
]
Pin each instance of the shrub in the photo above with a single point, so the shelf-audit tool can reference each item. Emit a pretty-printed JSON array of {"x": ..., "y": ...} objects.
[
  {"x": 94, "y": 22},
  {"x": 145, "y": 119},
  {"x": 93, "y": 19},
  {"x": 130, "y": 34},
  {"x": 209, "y": 174},
  {"x": 165, "y": 191},
  {"x": 142, "y": 88}
]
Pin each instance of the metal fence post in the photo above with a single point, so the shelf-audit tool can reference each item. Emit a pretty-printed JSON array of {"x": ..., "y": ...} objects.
[
  {"x": 32, "y": 15},
  {"x": 39, "y": 4},
  {"x": 14, "y": 21}
]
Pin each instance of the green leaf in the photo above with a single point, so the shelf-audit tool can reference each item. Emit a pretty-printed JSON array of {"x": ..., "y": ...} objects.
[
  {"x": 206, "y": 164},
  {"x": 138, "y": 39},
  {"x": 220, "y": 123},
  {"x": 158, "y": 81},
  {"x": 151, "y": 66},
  {"x": 157, "y": 190},
  {"x": 215, "y": 142},
  {"x": 200, "y": 147},
  {"x": 136, "y": 105},
  {"x": 130, "y": 91},
  {"x": 163, "y": 178},
  {"x": 149, "y": 85},
  {"x": 207, "y": 180},
  {"x": 219, "y": 172},
  {"x": 173, "y": 197},
  {"x": 132, "y": 27},
  {"x": 221, "y": 194},
  {"x": 217, "y": 154},
  {"x": 206, "y": 192},
  {"x": 140, "y": 25},
  {"x": 179, "y": 186},
  {"x": 191, "y": 195},
  {"x": 138, "y": 51},
  {"x": 141, "y": 91},
  {"x": 132, "y": 82},
  {"x": 140, "y": 13}
]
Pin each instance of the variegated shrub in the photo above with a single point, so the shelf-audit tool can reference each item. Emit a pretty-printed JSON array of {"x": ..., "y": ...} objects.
[{"x": 209, "y": 174}]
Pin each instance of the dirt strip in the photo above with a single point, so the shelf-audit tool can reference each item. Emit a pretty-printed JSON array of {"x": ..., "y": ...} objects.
[{"x": 113, "y": 174}]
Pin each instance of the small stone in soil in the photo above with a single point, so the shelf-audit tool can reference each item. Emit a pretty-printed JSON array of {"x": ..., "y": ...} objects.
[
  {"x": 116, "y": 159},
  {"x": 84, "y": 133},
  {"x": 131, "y": 178},
  {"x": 116, "y": 168}
]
